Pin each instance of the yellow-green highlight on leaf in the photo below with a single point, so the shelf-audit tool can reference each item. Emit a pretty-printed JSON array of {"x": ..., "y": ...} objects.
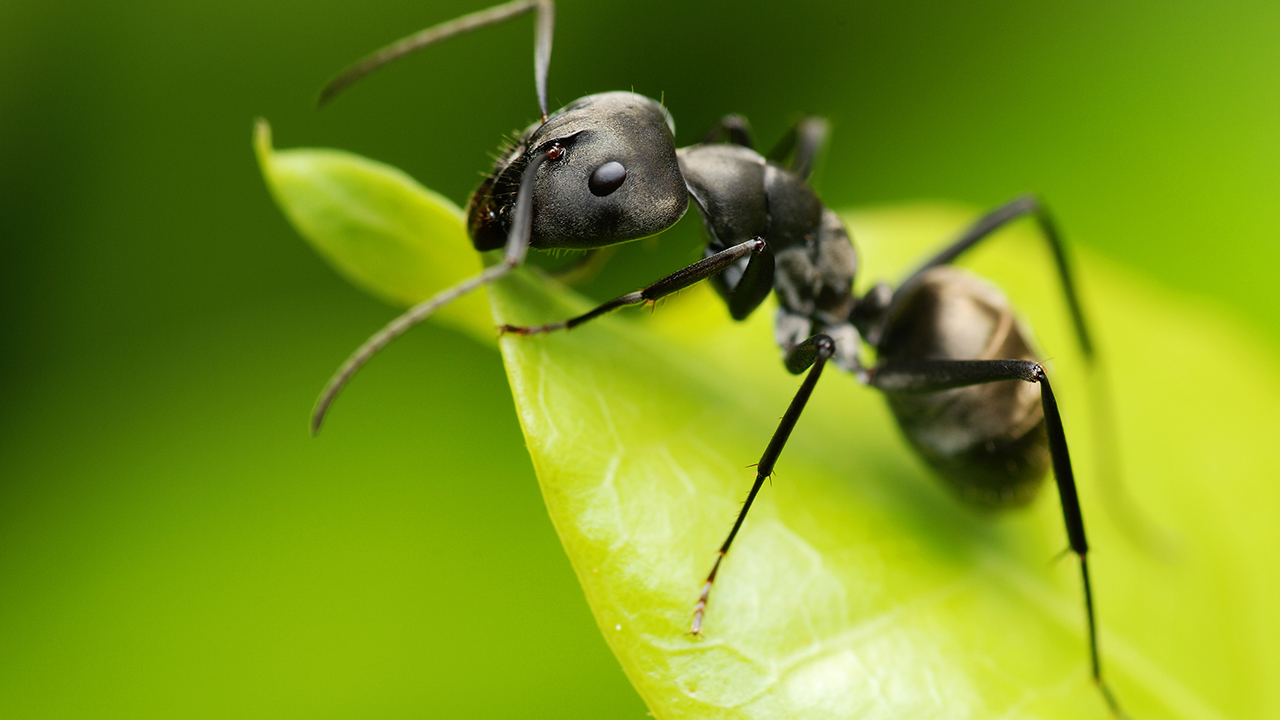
[
  {"x": 377, "y": 227},
  {"x": 859, "y": 588}
]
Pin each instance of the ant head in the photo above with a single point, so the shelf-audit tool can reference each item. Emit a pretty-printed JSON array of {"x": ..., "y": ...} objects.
[{"x": 611, "y": 175}]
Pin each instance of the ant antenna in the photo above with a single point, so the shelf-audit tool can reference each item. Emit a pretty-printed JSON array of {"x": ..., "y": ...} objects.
[
  {"x": 491, "y": 16},
  {"x": 516, "y": 249}
]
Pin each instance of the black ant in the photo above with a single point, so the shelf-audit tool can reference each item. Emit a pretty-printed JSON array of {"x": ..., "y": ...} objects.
[{"x": 605, "y": 170}]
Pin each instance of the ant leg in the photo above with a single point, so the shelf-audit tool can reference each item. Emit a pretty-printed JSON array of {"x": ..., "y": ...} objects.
[
  {"x": 516, "y": 249},
  {"x": 490, "y": 16},
  {"x": 993, "y": 221},
  {"x": 1140, "y": 529},
  {"x": 734, "y": 127},
  {"x": 745, "y": 285},
  {"x": 803, "y": 142},
  {"x": 674, "y": 282},
  {"x": 805, "y": 139},
  {"x": 812, "y": 354},
  {"x": 933, "y": 375}
]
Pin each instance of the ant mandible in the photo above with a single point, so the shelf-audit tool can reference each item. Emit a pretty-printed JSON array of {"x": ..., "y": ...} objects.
[{"x": 604, "y": 170}]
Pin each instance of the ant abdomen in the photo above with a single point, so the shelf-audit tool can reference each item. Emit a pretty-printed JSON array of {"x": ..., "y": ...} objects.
[{"x": 986, "y": 441}]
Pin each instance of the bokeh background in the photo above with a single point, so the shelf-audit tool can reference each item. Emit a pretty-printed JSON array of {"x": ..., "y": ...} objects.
[{"x": 173, "y": 544}]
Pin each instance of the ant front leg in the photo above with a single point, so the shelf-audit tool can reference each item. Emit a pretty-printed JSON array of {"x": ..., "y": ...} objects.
[
  {"x": 812, "y": 354},
  {"x": 674, "y": 282},
  {"x": 927, "y": 376}
]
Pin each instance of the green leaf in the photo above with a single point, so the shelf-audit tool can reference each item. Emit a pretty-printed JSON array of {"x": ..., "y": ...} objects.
[
  {"x": 377, "y": 227},
  {"x": 858, "y": 587}
]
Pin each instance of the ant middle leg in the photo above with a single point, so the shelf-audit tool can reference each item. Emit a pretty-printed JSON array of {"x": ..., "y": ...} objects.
[
  {"x": 811, "y": 355},
  {"x": 927, "y": 376},
  {"x": 674, "y": 282}
]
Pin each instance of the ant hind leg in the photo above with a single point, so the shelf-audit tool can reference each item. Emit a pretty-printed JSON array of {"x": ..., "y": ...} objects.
[{"x": 927, "y": 376}]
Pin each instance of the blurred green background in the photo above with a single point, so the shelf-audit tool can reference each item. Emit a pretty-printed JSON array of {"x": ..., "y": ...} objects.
[{"x": 172, "y": 543}]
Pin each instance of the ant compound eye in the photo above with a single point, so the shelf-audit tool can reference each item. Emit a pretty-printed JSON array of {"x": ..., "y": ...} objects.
[
  {"x": 607, "y": 178},
  {"x": 555, "y": 152}
]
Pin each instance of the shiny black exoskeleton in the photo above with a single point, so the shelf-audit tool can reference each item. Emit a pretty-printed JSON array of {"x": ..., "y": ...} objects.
[{"x": 957, "y": 370}]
